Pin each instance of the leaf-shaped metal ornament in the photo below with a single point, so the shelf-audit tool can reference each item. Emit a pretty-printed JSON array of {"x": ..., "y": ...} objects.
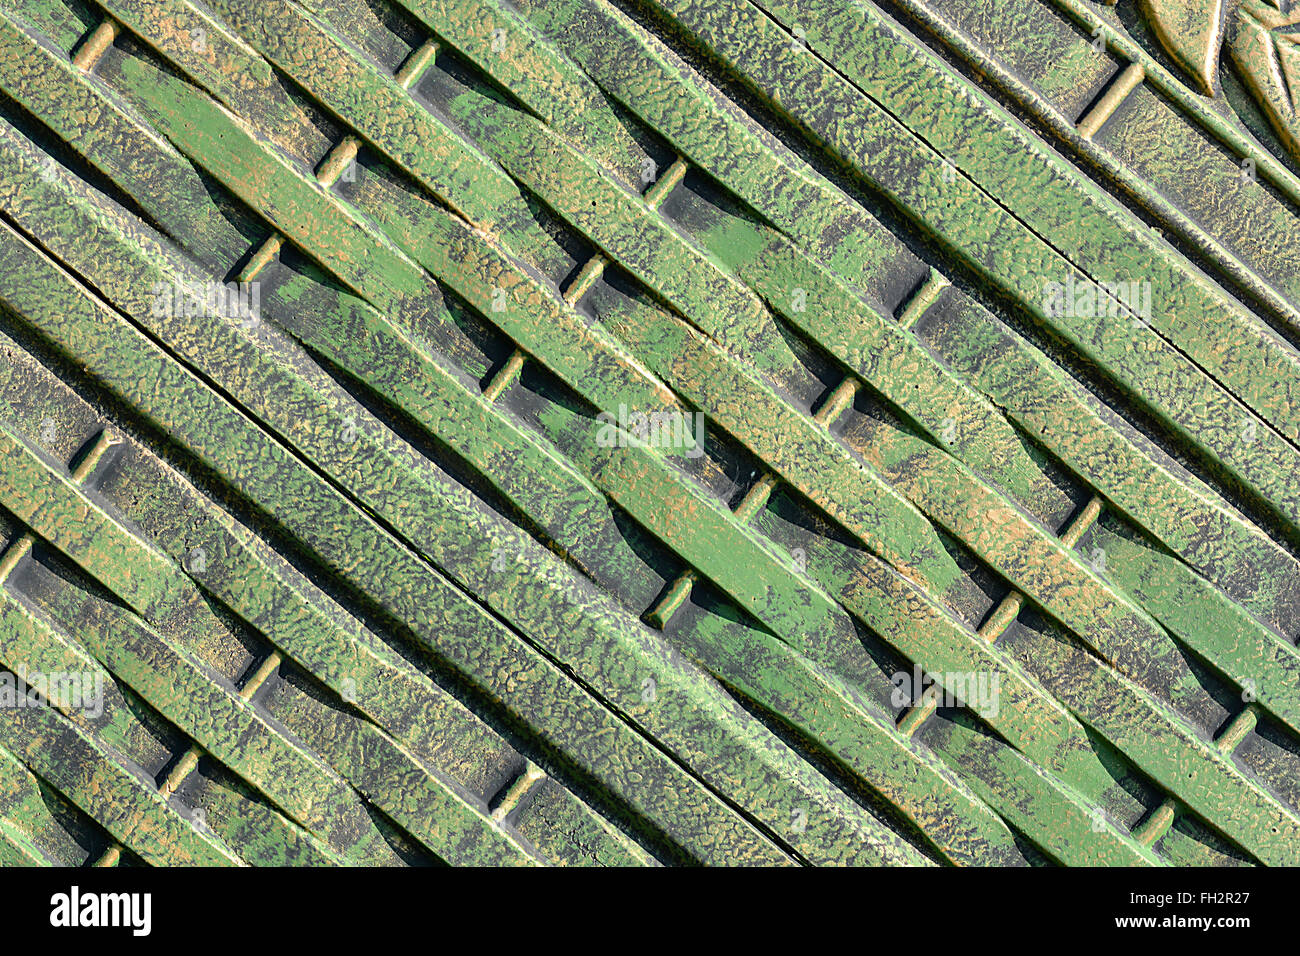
[
  {"x": 1265, "y": 46},
  {"x": 1192, "y": 33},
  {"x": 1263, "y": 38}
]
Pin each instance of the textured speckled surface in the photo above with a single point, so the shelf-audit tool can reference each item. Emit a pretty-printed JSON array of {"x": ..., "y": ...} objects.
[{"x": 692, "y": 431}]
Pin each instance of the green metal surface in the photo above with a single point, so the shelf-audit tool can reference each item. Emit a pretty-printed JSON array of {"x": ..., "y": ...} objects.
[{"x": 640, "y": 432}]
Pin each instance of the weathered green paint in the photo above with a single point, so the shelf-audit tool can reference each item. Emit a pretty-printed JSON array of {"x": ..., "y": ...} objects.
[{"x": 359, "y": 605}]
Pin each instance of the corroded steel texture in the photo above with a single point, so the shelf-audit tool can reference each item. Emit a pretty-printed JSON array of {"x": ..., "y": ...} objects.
[{"x": 638, "y": 432}]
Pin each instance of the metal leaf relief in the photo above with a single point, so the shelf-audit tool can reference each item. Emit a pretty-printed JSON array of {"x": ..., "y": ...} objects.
[{"x": 1263, "y": 38}]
